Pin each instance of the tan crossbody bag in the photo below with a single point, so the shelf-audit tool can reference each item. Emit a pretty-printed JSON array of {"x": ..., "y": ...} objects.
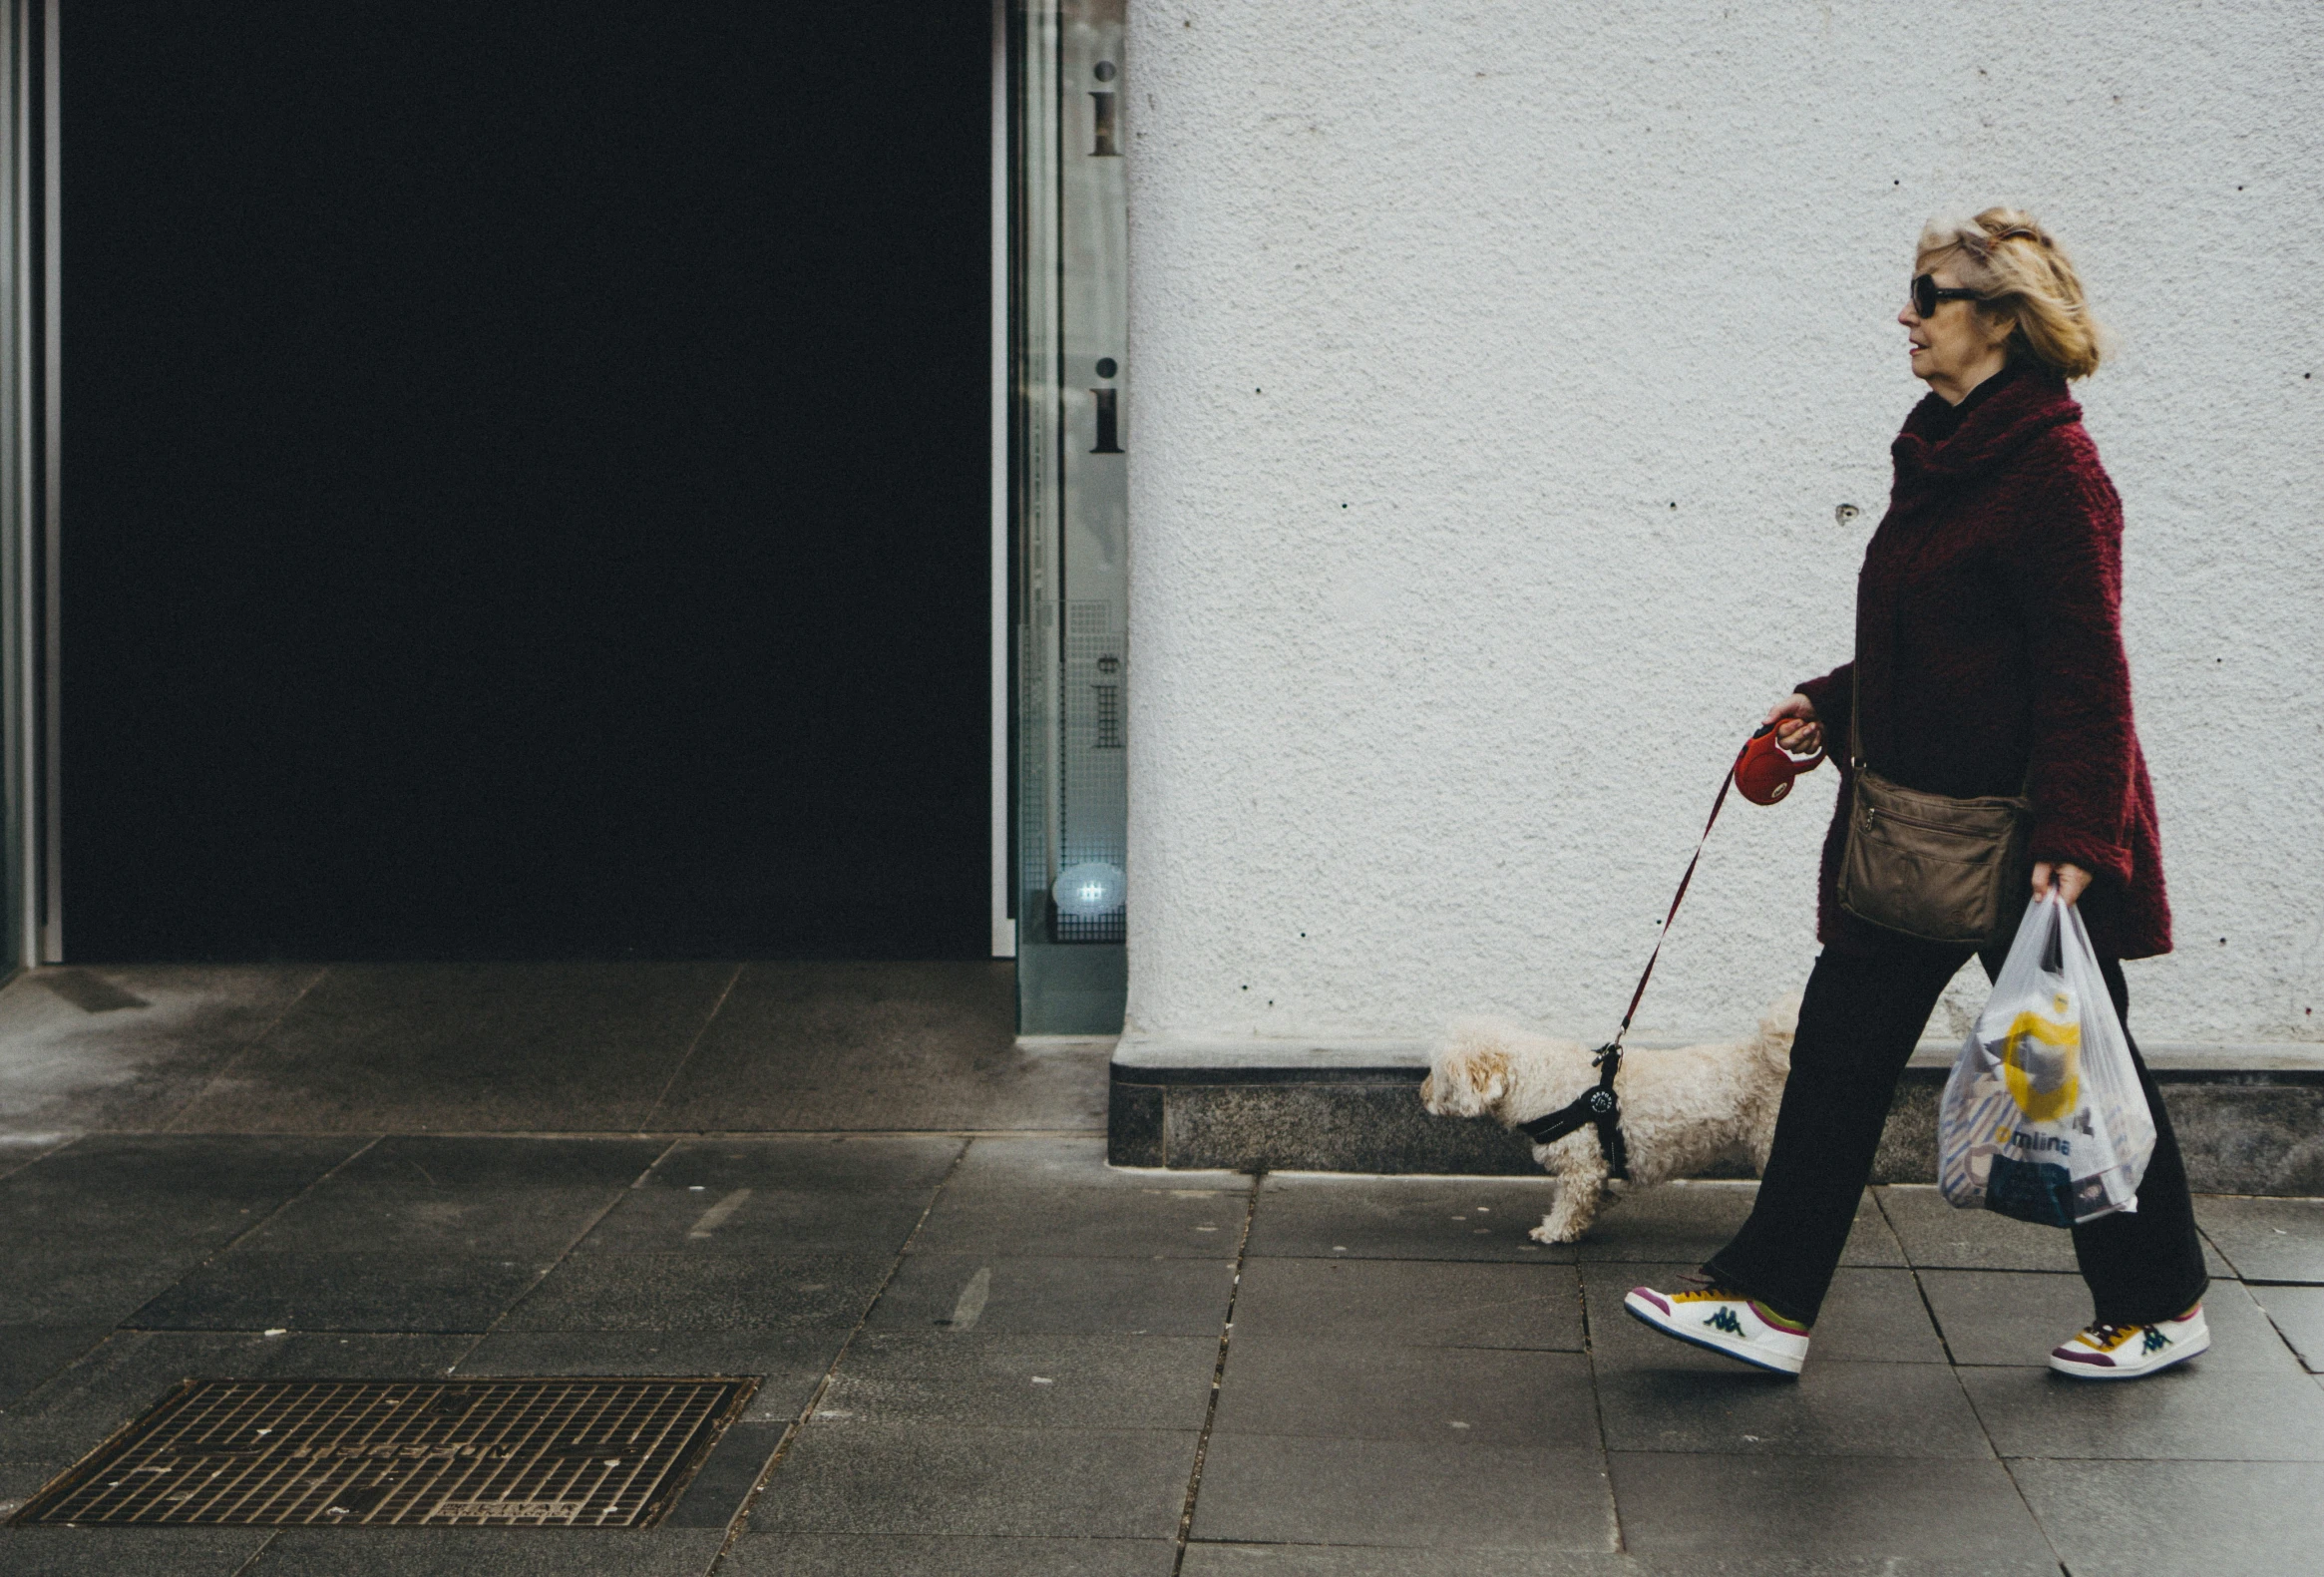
[{"x": 1933, "y": 867}]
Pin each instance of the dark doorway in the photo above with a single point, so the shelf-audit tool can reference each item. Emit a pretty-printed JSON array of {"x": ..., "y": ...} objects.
[{"x": 525, "y": 479}]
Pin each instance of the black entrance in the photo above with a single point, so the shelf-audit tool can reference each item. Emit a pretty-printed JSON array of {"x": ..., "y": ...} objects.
[{"x": 525, "y": 479}]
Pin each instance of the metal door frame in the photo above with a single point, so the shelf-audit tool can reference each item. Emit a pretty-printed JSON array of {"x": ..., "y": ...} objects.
[{"x": 30, "y": 372}]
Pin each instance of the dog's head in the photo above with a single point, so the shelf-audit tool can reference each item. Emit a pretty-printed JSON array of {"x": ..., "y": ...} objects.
[{"x": 1468, "y": 1074}]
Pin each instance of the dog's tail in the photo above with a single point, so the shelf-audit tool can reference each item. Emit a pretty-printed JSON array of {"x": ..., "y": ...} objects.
[{"x": 1772, "y": 1042}]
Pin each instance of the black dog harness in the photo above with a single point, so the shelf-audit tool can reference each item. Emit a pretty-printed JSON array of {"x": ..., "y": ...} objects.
[{"x": 1601, "y": 1103}]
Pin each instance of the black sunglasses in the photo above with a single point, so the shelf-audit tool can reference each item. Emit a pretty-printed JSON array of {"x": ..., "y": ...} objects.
[{"x": 1926, "y": 294}]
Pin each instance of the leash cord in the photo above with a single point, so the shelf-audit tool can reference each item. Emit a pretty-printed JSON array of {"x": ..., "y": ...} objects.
[
  {"x": 1601, "y": 1104},
  {"x": 1614, "y": 1048}
]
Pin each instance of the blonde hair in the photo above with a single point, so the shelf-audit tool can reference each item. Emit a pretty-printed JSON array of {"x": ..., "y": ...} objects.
[{"x": 2025, "y": 278}]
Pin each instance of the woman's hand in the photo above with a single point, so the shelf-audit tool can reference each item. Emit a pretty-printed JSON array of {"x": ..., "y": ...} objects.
[
  {"x": 1797, "y": 729},
  {"x": 2070, "y": 880}
]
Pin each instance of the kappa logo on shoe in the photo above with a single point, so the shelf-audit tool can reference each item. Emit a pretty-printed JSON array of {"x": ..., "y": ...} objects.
[
  {"x": 2155, "y": 1339},
  {"x": 1724, "y": 1320}
]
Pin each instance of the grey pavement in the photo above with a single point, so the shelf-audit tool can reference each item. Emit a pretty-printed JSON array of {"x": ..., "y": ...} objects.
[{"x": 982, "y": 1350}]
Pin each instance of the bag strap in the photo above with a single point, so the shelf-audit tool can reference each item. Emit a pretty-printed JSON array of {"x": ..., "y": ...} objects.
[
  {"x": 1857, "y": 763},
  {"x": 1857, "y": 714}
]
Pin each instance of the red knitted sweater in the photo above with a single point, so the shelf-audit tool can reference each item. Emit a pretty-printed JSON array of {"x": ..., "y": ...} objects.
[{"x": 1989, "y": 644}]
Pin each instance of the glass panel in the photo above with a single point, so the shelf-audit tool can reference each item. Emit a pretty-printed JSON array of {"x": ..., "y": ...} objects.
[{"x": 1069, "y": 489}]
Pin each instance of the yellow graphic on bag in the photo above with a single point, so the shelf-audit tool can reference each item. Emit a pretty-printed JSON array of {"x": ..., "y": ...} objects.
[{"x": 2041, "y": 1058}]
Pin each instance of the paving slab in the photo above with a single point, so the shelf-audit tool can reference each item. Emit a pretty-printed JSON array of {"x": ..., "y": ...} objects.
[
  {"x": 1444, "y": 1494},
  {"x": 843, "y": 1163},
  {"x": 1875, "y": 1314},
  {"x": 493, "y": 1167},
  {"x": 502, "y": 1552},
  {"x": 413, "y": 1218},
  {"x": 790, "y": 1365},
  {"x": 468, "y": 1048},
  {"x": 91, "y": 1283},
  {"x": 30, "y": 1353},
  {"x": 2215, "y": 1264},
  {"x": 842, "y": 1476},
  {"x": 929, "y": 1045},
  {"x": 169, "y": 1197},
  {"x": 1937, "y": 1236},
  {"x": 20, "y": 1149},
  {"x": 2166, "y": 1519},
  {"x": 148, "y": 1552},
  {"x": 1362, "y": 1391},
  {"x": 2187, "y": 1413},
  {"x": 1684, "y": 1221},
  {"x": 715, "y": 1496},
  {"x": 1058, "y": 1161},
  {"x": 1871, "y": 1315},
  {"x": 1318, "y": 1560},
  {"x": 1025, "y": 1382},
  {"x": 753, "y": 1221},
  {"x": 1142, "y": 1223},
  {"x": 2266, "y": 1240},
  {"x": 129, "y": 1047},
  {"x": 1691, "y": 1220},
  {"x": 438, "y": 1199},
  {"x": 417, "y": 1233},
  {"x": 700, "y": 1291},
  {"x": 99, "y": 1227},
  {"x": 1420, "y": 1302},
  {"x": 860, "y": 1555},
  {"x": 1311, "y": 1560},
  {"x": 1013, "y": 1295},
  {"x": 1832, "y": 1408},
  {"x": 2298, "y": 1315},
  {"x": 1802, "y": 1509},
  {"x": 316, "y": 1291},
  {"x": 2017, "y": 1317},
  {"x": 1325, "y": 1217}
]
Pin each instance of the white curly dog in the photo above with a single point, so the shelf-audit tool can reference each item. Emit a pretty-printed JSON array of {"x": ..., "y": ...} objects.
[{"x": 1682, "y": 1111}]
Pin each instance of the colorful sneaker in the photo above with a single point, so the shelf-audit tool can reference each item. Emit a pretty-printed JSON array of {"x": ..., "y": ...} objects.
[
  {"x": 1714, "y": 1317},
  {"x": 2126, "y": 1352}
]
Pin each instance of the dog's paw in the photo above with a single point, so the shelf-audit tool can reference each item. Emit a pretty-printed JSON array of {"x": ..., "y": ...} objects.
[{"x": 1545, "y": 1233}]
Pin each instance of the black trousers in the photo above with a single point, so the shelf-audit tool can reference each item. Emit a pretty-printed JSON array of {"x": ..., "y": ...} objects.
[{"x": 1858, "y": 1022}]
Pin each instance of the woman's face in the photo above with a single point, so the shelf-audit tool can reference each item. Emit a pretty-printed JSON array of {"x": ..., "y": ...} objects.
[{"x": 1954, "y": 348}]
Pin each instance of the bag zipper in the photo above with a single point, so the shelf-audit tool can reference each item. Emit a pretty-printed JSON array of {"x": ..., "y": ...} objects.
[{"x": 1871, "y": 813}]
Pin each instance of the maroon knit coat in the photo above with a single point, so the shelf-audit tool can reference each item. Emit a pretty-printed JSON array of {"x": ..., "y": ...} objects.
[{"x": 1989, "y": 644}]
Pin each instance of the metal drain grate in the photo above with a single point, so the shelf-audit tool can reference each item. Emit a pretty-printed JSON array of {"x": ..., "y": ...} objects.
[{"x": 527, "y": 1453}]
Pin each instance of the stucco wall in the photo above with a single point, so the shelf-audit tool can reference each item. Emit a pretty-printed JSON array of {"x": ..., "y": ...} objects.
[{"x": 1495, "y": 374}]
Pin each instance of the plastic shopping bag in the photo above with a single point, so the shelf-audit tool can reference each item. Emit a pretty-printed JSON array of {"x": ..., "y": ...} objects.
[{"x": 2043, "y": 1118}]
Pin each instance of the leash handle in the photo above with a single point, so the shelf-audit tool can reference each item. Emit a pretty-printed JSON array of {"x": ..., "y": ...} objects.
[{"x": 1614, "y": 1049}]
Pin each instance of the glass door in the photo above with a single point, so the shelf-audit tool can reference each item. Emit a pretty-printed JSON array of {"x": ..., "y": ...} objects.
[{"x": 1069, "y": 499}]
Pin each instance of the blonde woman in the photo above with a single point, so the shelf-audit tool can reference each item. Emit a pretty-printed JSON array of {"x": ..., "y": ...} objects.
[{"x": 1988, "y": 658}]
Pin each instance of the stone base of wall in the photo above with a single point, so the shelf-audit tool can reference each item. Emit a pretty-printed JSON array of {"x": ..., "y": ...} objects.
[{"x": 2252, "y": 1127}]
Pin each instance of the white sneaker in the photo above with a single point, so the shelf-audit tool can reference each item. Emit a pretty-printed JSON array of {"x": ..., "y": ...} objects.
[
  {"x": 2126, "y": 1352},
  {"x": 1719, "y": 1319}
]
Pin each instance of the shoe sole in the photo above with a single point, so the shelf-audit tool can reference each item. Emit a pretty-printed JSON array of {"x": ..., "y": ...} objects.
[
  {"x": 1770, "y": 1363},
  {"x": 2092, "y": 1372}
]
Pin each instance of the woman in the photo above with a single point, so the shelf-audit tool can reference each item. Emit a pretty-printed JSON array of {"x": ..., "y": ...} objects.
[{"x": 1989, "y": 653}]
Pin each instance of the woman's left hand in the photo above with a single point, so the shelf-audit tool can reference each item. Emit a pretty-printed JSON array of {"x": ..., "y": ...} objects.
[{"x": 2071, "y": 879}]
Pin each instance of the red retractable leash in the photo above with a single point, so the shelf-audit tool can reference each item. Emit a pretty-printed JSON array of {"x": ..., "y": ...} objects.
[{"x": 1764, "y": 771}]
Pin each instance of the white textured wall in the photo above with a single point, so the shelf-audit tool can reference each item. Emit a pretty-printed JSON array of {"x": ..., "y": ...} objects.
[{"x": 1497, "y": 370}]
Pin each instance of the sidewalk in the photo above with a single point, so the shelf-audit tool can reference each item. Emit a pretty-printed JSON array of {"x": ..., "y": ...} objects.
[{"x": 989, "y": 1353}]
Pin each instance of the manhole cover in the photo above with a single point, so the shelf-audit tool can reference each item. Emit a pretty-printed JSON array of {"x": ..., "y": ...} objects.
[{"x": 526, "y": 1454}]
